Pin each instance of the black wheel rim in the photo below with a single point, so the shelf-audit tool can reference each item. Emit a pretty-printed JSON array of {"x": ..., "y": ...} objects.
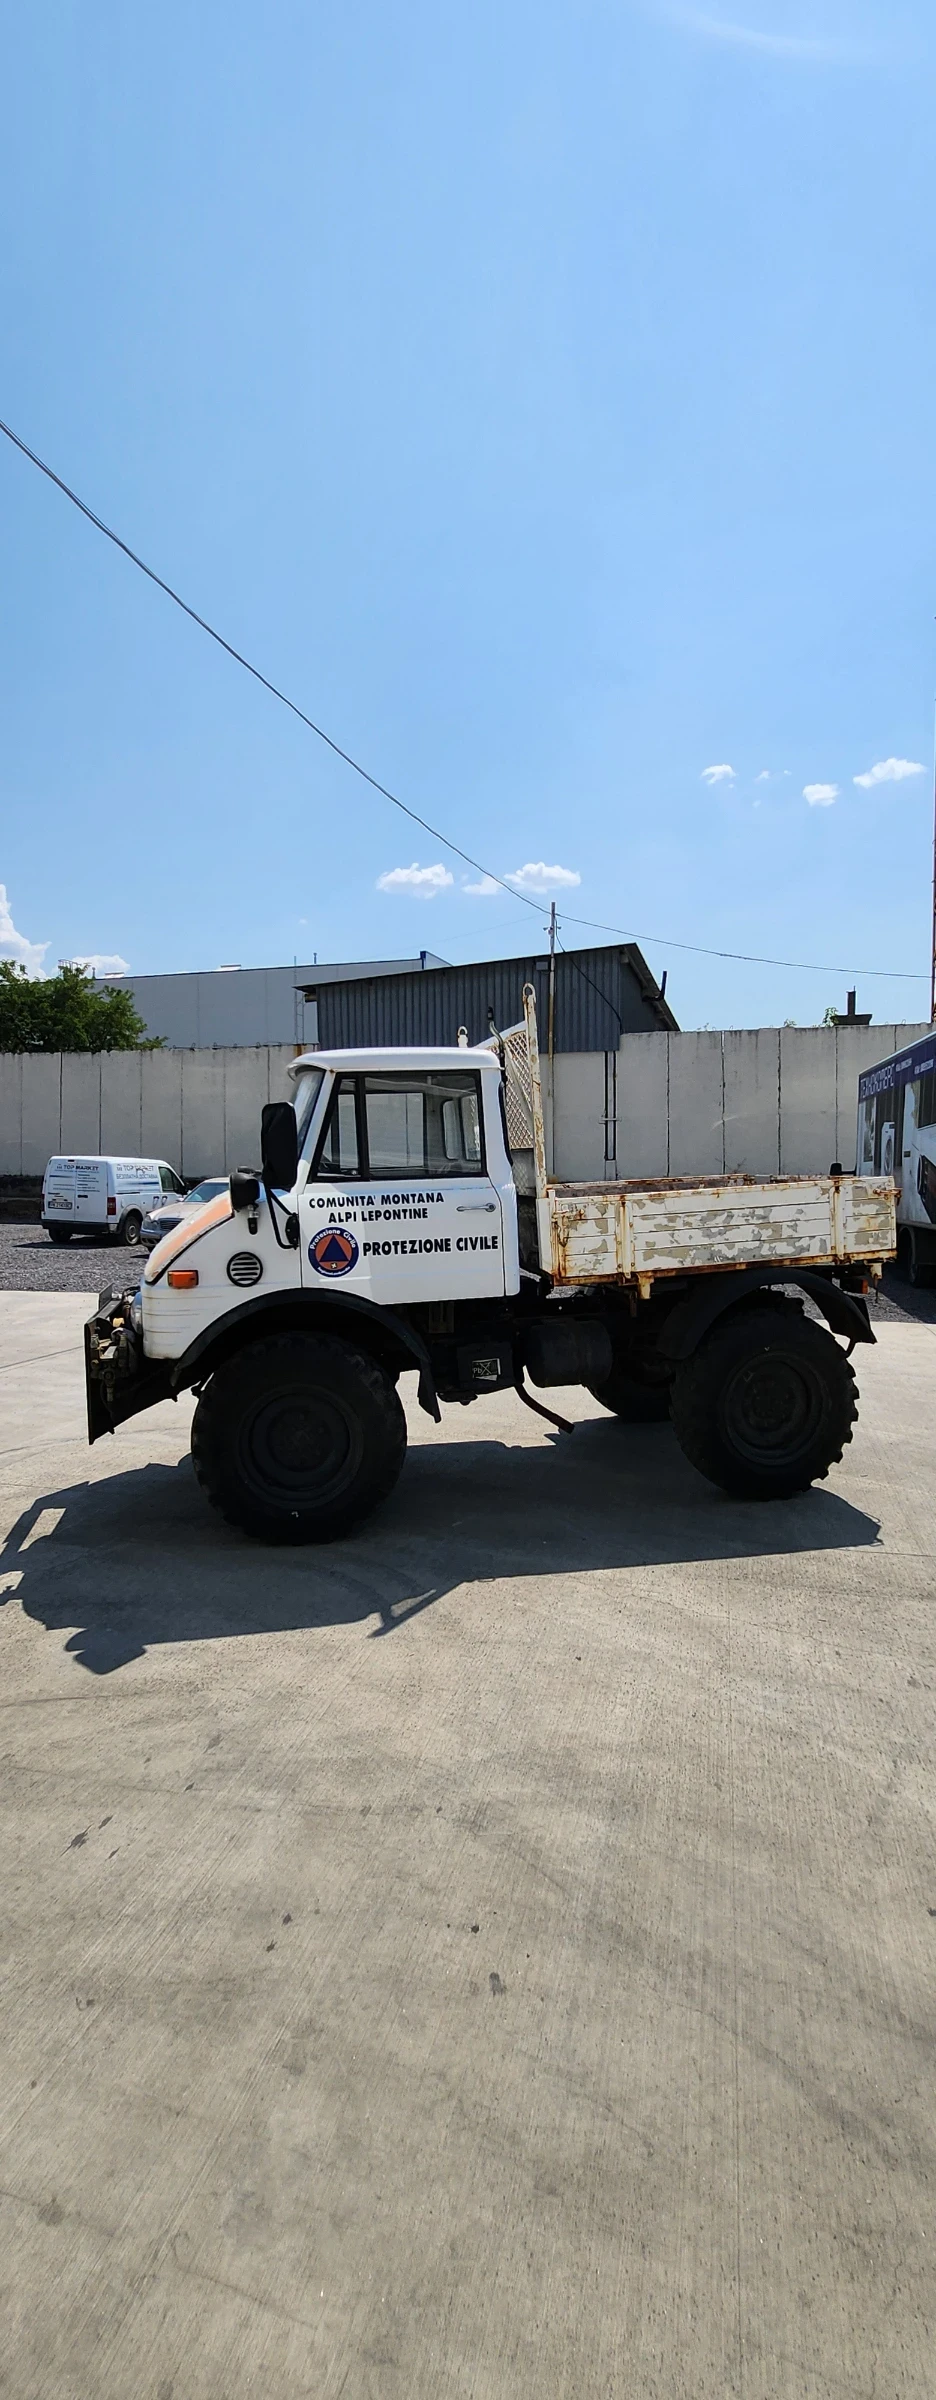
[
  {"x": 299, "y": 1448},
  {"x": 772, "y": 1408}
]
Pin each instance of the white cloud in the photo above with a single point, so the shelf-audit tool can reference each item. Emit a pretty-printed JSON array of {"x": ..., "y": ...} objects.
[
  {"x": 422, "y": 883},
  {"x": 487, "y": 889},
  {"x": 537, "y": 877},
  {"x": 103, "y": 962},
  {"x": 889, "y": 770},
  {"x": 820, "y": 795},
  {"x": 755, "y": 37},
  {"x": 764, "y": 776},
  {"x": 16, "y": 945},
  {"x": 712, "y": 775}
]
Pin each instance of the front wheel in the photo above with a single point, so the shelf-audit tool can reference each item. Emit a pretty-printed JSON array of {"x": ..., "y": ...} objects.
[
  {"x": 766, "y": 1404},
  {"x": 298, "y": 1438}
]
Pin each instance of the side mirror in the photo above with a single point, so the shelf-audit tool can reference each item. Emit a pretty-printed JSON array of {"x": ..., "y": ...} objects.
[
  {"x": 245, "y": 1188},
  {"x": 279, "y": 1145}
]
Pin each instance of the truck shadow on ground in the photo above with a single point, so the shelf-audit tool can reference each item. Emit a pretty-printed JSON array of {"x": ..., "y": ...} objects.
[{"x": 137, "y": 1558}]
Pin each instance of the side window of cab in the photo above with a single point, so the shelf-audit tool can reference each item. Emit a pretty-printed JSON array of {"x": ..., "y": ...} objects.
[
  {"x": 423, "y": 1125},
  {"x": 400, "y": 1127}
]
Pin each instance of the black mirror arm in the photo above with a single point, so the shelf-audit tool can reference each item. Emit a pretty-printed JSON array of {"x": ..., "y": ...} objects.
[{"x": 289, "y": 1238}]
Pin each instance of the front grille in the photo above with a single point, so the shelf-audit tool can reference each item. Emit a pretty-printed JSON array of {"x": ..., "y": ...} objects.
[{"x": 245, "y": 1267}]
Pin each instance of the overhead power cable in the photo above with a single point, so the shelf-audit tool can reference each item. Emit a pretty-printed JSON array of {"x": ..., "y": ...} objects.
[
  {"x": 247, "y": 663},
  {"x": 750, "y": 958},
  {"x": 744, "y": 957},
  {"x": 589, "y": 979}
]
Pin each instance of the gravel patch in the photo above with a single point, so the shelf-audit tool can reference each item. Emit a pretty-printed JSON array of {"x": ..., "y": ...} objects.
[
  {"x": 29, "y": 1262},
  {"x": 899, "y": 1304}
]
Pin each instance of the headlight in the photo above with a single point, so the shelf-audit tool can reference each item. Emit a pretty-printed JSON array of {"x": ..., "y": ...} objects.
[{"x": 136, "y": 1311}]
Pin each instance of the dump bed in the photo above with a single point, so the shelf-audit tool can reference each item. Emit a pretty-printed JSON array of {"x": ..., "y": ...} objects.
[
  {"x": 603, "y": 1232},
  {"x": 677, "y": 1225}
]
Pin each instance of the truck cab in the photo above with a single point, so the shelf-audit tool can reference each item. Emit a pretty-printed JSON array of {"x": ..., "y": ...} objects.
[
  {"x": 403, "y": 1197},
  {"x": 406, "y": 1189}
]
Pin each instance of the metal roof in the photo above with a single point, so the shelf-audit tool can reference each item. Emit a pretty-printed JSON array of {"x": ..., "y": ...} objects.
[
  {"x": 600, "y": 994},
  {"x": 224, "y": 1007}
]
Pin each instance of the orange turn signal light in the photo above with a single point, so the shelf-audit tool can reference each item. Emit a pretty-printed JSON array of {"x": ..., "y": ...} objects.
[{"x": 182, "y": 1279}]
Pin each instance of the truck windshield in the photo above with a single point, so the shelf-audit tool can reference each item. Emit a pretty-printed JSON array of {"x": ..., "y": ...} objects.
[{"x": 308, "y": 1087}]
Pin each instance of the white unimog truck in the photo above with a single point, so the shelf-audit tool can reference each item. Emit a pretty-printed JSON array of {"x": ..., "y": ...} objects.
[{"x": 403, "y": 1218}]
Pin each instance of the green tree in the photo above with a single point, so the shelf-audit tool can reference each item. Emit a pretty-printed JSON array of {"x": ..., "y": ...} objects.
[{"x": 64, "y": 1012}]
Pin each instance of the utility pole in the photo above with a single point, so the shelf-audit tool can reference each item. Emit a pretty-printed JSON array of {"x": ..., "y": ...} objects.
[{"x": 551, "y": 1041}]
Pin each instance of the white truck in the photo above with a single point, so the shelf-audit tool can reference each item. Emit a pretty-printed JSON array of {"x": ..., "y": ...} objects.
[
  {"x": 897, "y": 1135},
  {"x": 403, "y": 1217}
]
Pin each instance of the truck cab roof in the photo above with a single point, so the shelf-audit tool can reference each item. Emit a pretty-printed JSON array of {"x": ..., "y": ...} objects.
[{"x": 401, "y": 1062}]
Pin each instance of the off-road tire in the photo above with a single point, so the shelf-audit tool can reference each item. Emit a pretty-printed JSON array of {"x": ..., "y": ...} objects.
[
  {"x": 919, "y": 1273},
  {"x": 766, "y": 1404},
  {"x": 60, "y": 1234},
  {"x": 631, "y": 1399},
  {"x": 131, "y": 1229},
  {"x": 298, "y": 1437}
]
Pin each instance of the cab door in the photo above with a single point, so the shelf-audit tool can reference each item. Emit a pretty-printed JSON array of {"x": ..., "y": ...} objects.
[{"x": 399, "y": 1205}]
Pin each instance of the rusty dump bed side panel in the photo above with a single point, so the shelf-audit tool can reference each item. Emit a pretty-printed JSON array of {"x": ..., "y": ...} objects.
[{"x": 624, "y": 1232}]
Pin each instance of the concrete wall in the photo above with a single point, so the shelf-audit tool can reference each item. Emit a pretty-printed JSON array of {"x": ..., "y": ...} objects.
[
  {"x": 771, "y": 1102},
  {"x": 777, "y": 1101},
  {"x": 199, "y": 1109}
]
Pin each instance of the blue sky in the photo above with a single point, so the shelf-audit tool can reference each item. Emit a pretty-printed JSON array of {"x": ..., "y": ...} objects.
[{"x": 543, "y": 394}]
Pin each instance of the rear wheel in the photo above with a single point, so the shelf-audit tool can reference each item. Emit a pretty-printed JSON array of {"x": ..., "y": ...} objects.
[
  {"x": 298, "y": 1438},
  {"x": 766, "y": 1404},
  {"x": 637, "y": 1399},
  {"x": 918, "y": 1270},
  {"x": 131, "y": 1229},
  {"x": 59, "y": 1234}
]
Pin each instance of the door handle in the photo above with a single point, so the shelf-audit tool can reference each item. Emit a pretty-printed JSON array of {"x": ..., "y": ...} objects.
[{"x": 468, "y": 1208}]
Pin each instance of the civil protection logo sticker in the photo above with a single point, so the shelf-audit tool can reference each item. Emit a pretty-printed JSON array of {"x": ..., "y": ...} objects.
[{"x": 333, "y": 1251}]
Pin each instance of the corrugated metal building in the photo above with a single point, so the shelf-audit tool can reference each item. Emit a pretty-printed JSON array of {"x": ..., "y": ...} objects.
[
  {"x": 600, "y": 994},
  {"x": 226, "y": 1008}
]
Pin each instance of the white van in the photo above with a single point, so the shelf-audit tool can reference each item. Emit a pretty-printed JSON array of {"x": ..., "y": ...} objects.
[{"x": 104, "y": 1195}]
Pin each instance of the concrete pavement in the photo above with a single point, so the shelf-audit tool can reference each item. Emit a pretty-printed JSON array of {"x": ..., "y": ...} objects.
[{"x": 492, "y": 1957}]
